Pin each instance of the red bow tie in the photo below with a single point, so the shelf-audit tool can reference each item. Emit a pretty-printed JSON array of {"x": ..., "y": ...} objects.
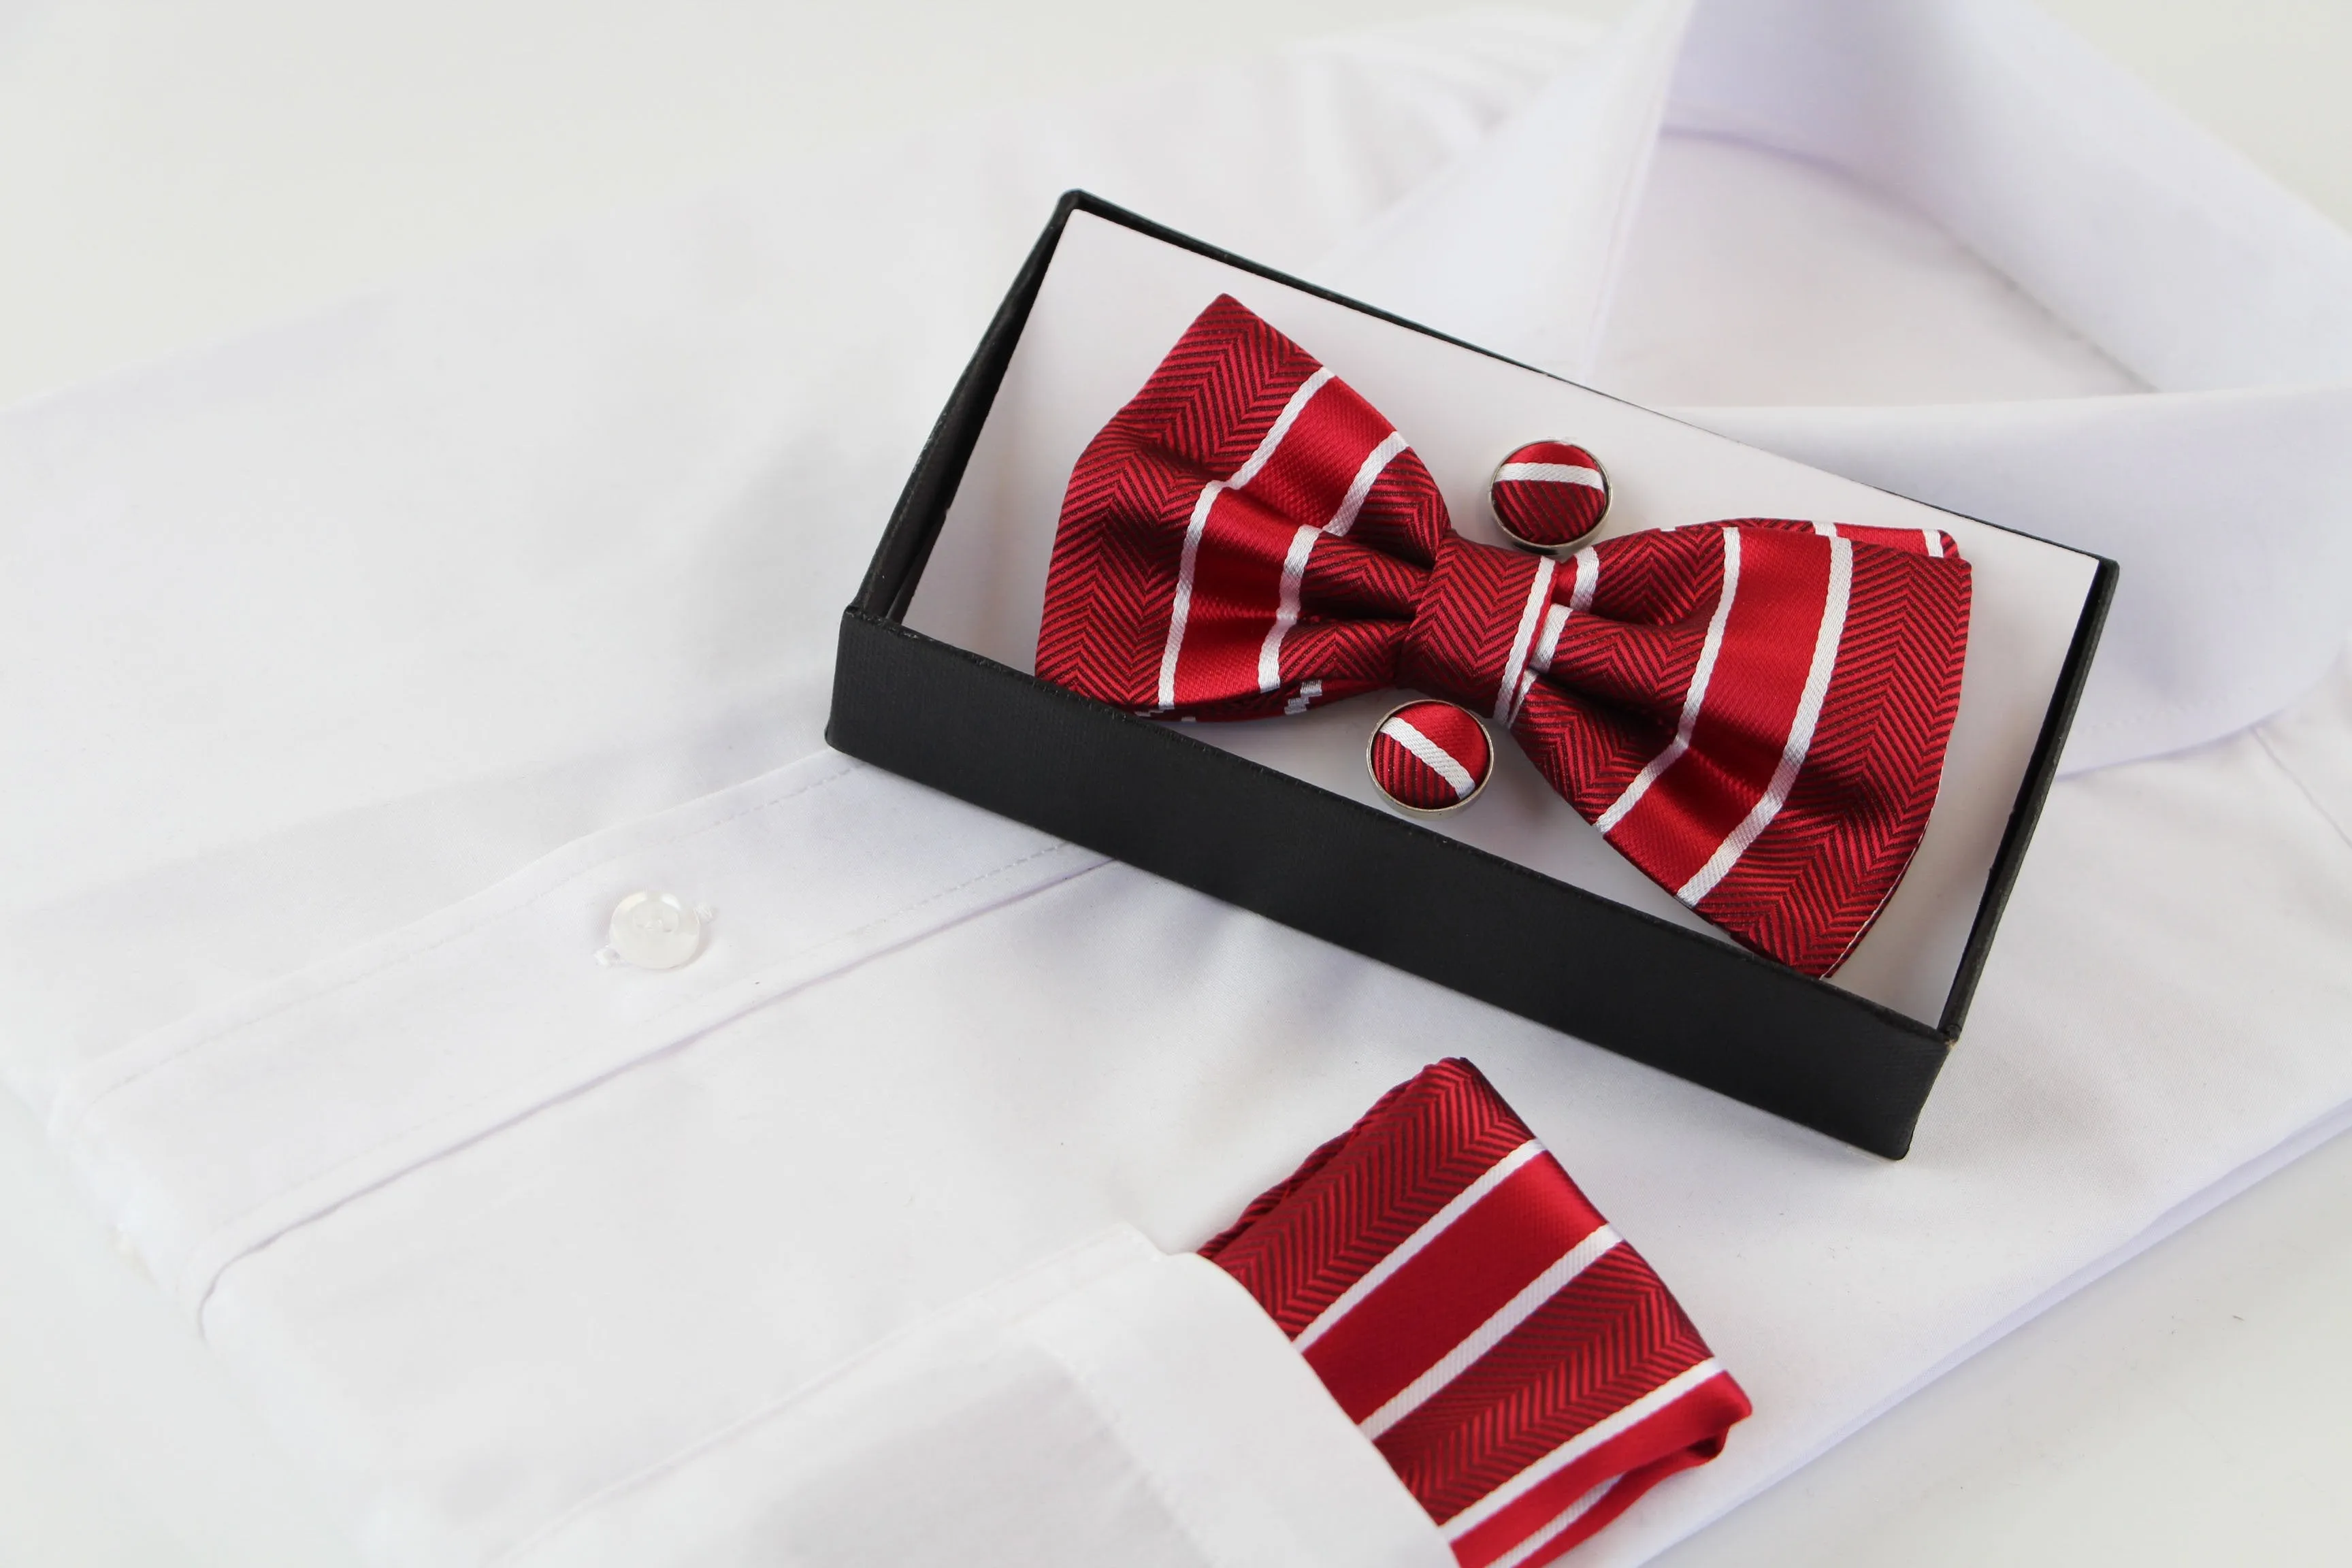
[
  {"x": 1519, "y": 1366},
  {"x": 1753, "y": 712}
]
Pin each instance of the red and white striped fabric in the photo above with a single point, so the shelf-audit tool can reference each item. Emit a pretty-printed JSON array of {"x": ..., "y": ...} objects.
[
  {"x": 1518, "y": 1364},
  {"x": 1431, "y": 757},
  {"x": 1753, "y": 712},
  {"x": 1549, "y": 494}
]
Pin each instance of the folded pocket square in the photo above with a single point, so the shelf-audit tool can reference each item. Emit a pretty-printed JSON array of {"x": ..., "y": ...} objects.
[{"x": 1518, "y": 1365}]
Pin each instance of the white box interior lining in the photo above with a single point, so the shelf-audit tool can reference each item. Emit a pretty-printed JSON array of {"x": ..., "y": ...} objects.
[{"x": 1114, "y": 301}]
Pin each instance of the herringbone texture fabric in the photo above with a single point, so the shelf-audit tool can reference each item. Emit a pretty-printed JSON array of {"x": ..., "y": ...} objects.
[
  {"x": 1754, "y": 712},
  {"x": 1521, "y": 1369}
]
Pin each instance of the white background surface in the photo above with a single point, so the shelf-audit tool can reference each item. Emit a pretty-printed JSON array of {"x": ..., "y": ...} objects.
[{"x": 174, "y": 173}]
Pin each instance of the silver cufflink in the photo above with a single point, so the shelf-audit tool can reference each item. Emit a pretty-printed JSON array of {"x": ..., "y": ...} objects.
[
  {"x": 1550, "y": 495},
  {"x": 1429, "y": 757}
]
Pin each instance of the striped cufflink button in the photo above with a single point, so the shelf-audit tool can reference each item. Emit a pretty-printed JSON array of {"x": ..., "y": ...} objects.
[
  {"x": 1550, "y": 495},
  {"x": 1429, "y": 757}
]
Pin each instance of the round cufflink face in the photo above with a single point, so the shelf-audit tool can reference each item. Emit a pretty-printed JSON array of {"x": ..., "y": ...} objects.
[
  {"x": 1550, "y": 495},
  {"x": 1429, "y": 757},
  {"x": 655, "y": 930}
]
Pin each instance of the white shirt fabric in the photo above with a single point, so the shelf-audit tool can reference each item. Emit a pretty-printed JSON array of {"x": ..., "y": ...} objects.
[{"x": 363, "y": 666}]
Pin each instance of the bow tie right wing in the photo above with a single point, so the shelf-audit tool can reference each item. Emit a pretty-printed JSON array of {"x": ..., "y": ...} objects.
[{"x": 1756, "y": 714}]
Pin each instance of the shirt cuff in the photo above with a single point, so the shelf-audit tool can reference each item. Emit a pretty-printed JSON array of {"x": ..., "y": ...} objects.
[{"x": 1112, "y": 1405}]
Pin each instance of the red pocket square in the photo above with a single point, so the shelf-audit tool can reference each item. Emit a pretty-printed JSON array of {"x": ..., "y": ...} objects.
[{"x": 1518, "y": 1365}]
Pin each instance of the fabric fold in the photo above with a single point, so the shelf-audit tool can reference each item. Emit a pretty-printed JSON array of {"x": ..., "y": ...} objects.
[
  {"x": 213, "y": 1137},
  {"x": 1111, "y": 1405},
  {"x": 2168, "y": 250}
]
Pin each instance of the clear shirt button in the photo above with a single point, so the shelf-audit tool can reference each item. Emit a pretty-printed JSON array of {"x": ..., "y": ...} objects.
[{"x": 656, "y": 930}]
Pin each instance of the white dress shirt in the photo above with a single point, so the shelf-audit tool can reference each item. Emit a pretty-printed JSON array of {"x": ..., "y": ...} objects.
[{"x": 364, "y": 665}]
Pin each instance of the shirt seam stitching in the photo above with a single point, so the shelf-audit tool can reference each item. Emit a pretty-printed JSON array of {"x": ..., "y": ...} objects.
[
  {"x": 397, "y": 960},
  {"x": 2295, "y": 778},
  {"x": 752, "y": 1003}
]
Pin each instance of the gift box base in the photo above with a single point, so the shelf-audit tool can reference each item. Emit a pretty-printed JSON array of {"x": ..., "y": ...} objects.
[{"x": 1160, "y": 799}]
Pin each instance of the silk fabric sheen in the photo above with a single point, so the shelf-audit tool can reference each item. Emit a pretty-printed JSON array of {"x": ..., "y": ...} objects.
[
  {"x": 1517, "y": 1363},
  {"x": 1754, "y": 713}
]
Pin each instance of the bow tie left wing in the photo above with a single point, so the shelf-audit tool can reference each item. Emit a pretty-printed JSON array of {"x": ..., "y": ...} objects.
[{"x": 1248, "y": 536}]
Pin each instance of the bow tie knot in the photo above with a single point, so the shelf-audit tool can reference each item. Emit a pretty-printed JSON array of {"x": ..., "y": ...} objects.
[
  {"x": 1753, "y": 712},
  {"x": 1476, "y": 626}
]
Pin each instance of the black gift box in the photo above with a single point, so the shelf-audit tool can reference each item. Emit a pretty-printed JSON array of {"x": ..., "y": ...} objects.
[{"x": 1162, "y": 797}]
